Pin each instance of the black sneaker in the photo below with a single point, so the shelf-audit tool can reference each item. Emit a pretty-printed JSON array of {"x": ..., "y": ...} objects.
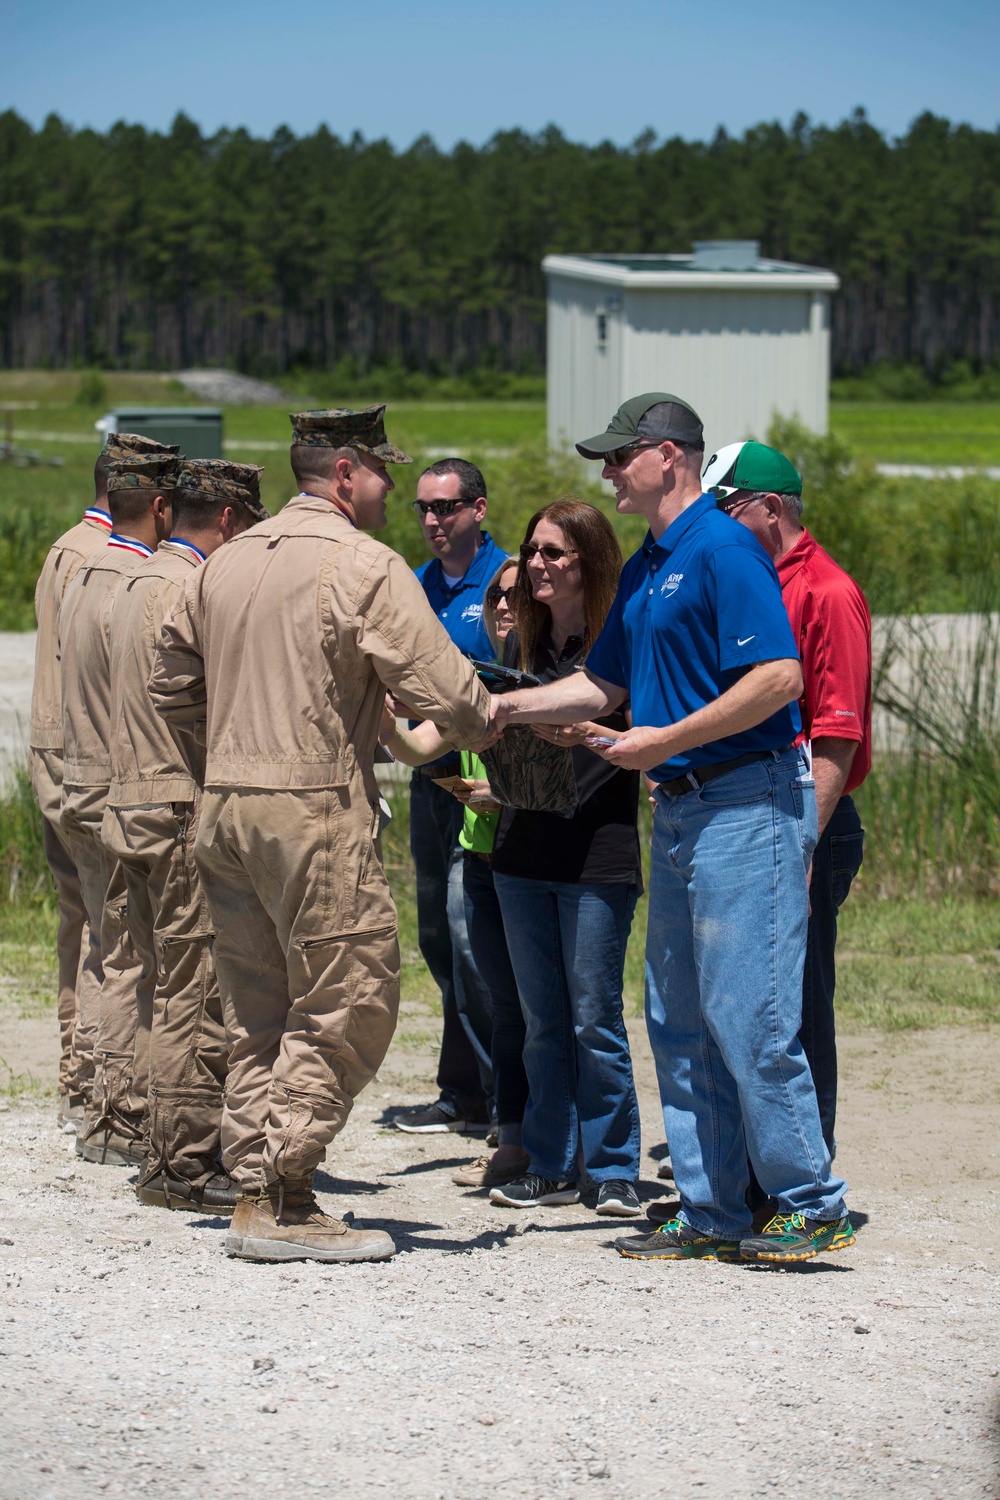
[
  {"x": 619, "y": 1199},
  {"x": 433, "y": 1119},
  {"x": 663, "y": 1210},
  {"x": 677, "y": 1241},
  {"x": 531, "y": 1189}
]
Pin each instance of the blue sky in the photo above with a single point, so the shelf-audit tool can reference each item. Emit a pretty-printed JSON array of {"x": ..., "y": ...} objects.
[{"x": 461, "y": 71}]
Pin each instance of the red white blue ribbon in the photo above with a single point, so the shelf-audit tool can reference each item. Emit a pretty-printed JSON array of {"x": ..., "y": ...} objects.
[
  {"x": 175, "y": 541},
  {"x": 129, "y": 544},
  {"x": 101, "y": 517}
]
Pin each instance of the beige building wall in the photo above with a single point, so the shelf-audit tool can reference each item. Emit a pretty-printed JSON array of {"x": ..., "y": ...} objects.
[{"x": 740, "y": 348}]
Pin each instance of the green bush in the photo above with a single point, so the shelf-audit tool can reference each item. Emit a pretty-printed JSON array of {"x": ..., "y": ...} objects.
[{"x": 24, "y": 874}]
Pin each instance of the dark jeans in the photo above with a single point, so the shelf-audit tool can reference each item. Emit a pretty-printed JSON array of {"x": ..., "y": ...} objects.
[
  {"x": 484, "y": 921},
  {"x": 464, "y": 1076},
  {"x": 835, "y": 863},
  {"x": 567, "y": 947}
]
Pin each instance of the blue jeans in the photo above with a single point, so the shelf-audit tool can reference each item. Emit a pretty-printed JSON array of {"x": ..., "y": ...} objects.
[
  {"x": 725, "y": 945},
  {"x": 567, "y": 945},
  {"x": 484, "y": 921},
  {"x": 464, "y": 1077}
]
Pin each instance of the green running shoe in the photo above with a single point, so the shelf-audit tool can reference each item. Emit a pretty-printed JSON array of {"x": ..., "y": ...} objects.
[
  {"x": 676, "y": 1240},
  {"x": 791, "y": 1237}
]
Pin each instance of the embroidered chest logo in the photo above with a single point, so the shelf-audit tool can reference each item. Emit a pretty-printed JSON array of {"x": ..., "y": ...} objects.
[
  {"x": 671, "y": 584},
  {"x": 472, "y": 612}
]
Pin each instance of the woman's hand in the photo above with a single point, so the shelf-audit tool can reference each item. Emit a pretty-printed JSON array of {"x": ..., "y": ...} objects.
[{"x": 478, "y": 794}]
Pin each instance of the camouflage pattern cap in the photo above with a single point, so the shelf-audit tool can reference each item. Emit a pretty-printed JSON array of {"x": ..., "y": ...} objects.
[
  {"x": 219, "y": 479},
  {"x": 155, "y": 472},
  {"x": 363, "y": 429},
  {"x": 122, "y": 444}
]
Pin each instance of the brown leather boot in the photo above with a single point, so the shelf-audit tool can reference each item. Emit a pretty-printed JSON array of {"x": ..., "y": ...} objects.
[
  {"x": 283, "y": 1221},
  {"x": 218, "y": 1195},
  {"x": 97, "y": 1142}
]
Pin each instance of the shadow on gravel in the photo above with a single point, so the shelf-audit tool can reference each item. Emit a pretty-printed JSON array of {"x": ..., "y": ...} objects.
[
  {"x": 438, "y": 1164},
  {"x": 408, "y": 1234},
  {"x": 324, "y": 1183}
]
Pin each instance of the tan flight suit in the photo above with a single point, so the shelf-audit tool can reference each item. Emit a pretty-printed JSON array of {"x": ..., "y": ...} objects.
[
  {"x": 150, "y": 825},
  {"x": 77, "y": 944},
  {"x": 121, "y": 1044},
  {"x": 289, "y": 633}
]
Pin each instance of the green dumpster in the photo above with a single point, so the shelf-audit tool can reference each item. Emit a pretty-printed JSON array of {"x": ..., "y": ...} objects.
[{"x": 197, "y": 430}]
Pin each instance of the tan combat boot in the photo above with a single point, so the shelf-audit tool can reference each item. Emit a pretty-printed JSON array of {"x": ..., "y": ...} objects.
[{"x": 284, "y": 1222}]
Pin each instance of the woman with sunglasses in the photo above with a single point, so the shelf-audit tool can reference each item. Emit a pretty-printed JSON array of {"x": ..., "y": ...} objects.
[
  {"x": 567, "y": 888},
  {"x": 484, "y": 921}
]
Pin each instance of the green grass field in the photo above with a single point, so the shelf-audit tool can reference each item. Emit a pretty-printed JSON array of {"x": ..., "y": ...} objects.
[{"x": 921, "y": 432}]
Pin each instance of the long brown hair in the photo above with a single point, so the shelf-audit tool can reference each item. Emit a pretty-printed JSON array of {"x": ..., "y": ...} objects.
[{"x": 590, "y": 534}]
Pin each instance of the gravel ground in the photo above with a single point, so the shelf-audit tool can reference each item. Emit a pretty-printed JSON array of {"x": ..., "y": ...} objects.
[{"x": 504, "y": 1354}]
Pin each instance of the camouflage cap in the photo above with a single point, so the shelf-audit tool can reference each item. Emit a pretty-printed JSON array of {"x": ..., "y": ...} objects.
[
  {"x": 122, "y": 444},
  {"x": 340, "y": 428},
  {"x": 155, "y": 472},
  {"x": 219, "y": 479}
]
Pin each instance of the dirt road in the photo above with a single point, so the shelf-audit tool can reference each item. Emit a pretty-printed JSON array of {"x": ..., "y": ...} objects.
[{"x": 503, "y": 1354}]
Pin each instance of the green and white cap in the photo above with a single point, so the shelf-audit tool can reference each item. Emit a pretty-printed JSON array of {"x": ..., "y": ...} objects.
[{"x": 751, "y": 466}]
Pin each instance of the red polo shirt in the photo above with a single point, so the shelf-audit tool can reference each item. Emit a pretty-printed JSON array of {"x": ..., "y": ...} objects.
[{"x": 833, "y": 628}]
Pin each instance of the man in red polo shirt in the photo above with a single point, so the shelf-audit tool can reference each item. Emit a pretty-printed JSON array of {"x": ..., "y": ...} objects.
[{"x": 832, "y": 627}]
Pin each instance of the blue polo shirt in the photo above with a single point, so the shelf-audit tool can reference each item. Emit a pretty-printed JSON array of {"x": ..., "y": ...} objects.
[
  {"x": 460, "y": 609},
  {"x": 693, "y": 611}
]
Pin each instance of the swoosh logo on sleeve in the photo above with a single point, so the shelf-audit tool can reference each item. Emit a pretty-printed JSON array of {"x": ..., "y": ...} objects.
[{"x": 747, "y": 639}]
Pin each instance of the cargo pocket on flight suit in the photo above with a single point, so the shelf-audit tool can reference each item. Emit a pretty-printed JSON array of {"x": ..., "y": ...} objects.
[{"x": 340, "y": 1046}]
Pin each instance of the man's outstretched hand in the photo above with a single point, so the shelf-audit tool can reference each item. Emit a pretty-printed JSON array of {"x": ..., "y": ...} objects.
[{"x": 499, "y": 712}]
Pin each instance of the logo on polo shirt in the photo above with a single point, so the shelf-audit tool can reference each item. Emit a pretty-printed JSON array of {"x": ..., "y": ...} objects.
[
  {"x": 671, "y": 584},
  {"x": 472, "y": 612}
]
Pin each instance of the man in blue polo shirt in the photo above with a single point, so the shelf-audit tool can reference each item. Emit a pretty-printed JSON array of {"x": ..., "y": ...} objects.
[
  {"x": 451, "y": 507},
  {"x": 699, "y": 640}
]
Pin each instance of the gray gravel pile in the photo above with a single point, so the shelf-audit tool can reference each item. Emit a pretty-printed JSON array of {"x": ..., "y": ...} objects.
[
  {"x": 226, "y": 388},
  {"x": 498, "y": 1355}
]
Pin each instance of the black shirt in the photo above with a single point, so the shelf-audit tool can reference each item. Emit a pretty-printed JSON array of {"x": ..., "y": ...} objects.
[{"x": 599, "y": 844}]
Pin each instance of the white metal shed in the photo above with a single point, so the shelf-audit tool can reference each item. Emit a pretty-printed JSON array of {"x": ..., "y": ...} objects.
[{"x": 739, "y": 337}]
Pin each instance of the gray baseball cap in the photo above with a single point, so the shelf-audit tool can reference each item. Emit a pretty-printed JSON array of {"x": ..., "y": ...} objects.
[{"x": 656, "y": 417}]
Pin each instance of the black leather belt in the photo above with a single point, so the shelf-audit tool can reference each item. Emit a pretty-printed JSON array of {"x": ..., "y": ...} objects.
[{"x": 692, "y": 780}]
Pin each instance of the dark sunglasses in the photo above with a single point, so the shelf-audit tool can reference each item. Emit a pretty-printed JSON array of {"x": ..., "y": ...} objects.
[
  {"x": 550, "y": 554},
  {"x": 439, "y": 507},
  {"x": 495, "y": 593},
  {"x": 615, "y": 457}
]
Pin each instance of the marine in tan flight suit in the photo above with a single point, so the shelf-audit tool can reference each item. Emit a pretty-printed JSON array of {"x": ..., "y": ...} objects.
[
  {"x": 291, "y": 634},
  {"x": 78, "y": 946},
  {"x": 139, "y": 487},
  {"x": 150, "y": 823}
]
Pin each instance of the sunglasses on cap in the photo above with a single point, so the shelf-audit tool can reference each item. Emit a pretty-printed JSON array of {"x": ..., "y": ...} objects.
[
  {"x": 494, "y": 594},
  {"x": 439, "y": 507},
  {"x": 550, "y": 554}
]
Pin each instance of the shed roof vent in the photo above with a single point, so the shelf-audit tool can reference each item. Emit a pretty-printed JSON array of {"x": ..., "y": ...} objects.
[{"x": 725, "y": 255}]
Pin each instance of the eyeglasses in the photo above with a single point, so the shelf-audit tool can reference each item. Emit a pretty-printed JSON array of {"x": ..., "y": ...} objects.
[
  {"x": 730, "y": 507},
  {"x": 550, "y": 554},
  {"x": 615, "y": 457},
  {"x": 494, "y": 594},
  {"x": 439, "y": 507}
]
